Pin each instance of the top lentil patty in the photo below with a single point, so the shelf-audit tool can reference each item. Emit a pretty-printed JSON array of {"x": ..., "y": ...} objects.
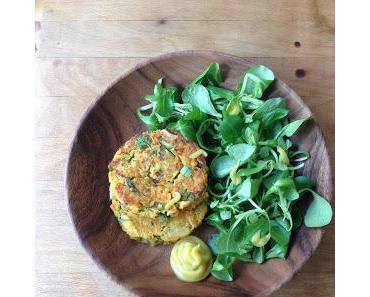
[{"x": 156, "y": 173}]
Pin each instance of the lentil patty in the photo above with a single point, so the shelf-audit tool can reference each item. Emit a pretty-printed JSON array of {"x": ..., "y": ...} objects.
[
  {"x": 158, "y": 183},
  {"x": 158, "y": 172}
]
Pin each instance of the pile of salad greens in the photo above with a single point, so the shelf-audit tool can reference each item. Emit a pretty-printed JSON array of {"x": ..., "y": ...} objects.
[{"x": 253, "y": 184}]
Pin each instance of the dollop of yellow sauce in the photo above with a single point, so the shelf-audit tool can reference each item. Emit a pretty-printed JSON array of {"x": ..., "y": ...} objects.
[{"x": 191, "y": 259}]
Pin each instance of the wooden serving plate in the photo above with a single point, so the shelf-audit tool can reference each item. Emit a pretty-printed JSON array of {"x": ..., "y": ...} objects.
[{"x": 110, "y": 121}]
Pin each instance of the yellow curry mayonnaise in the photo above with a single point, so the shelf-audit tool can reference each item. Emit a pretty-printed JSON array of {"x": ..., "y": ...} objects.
[{"x": 191, "y": 259}]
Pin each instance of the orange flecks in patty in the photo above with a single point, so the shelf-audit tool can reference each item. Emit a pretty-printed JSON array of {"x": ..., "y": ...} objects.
[{"x": 125, "y": 195}]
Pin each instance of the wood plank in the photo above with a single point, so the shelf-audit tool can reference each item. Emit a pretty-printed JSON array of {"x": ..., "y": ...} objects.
[
  {"x": 79, "y": 285},
  {"x": 313, "y": 284},
  {"x": 79, "y": 76},
  {"x": 149, "y": 38},
  {"x": 54, "y": 229},
  {"x": 256, "y": 10},
  {"x": 59, "y": 116},
  {"x": 51, "y": 155},
  {"x": 90, "y": 76}
]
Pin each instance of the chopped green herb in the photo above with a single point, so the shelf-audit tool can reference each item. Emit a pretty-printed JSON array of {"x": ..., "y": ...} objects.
[
  {"x": 143, "y": 141},
  {"x": 188, "y": 196},
  {"x": 110, "y": 168},
  {"x": 163, "y": 217},
  {"x": 156, "y": 152},
  {"x": 127, "y": 158},
  {"x": 131, "y": 185},
  {"x": 176, "y": 175},
  {"x": 185, "y": 171},
  {"x": 166, "y": 147}
]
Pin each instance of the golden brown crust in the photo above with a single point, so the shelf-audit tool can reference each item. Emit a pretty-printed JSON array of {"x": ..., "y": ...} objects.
[
  {"x": 158, "y": 184},
  {"x": 162, "y": 231},
  {"x": 151, "y": 176}
]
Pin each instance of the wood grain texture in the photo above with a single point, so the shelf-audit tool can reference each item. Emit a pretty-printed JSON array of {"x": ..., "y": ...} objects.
[
  {"x": 253, "y": 10},
  {"x": 67, "y": 85},
  {"x": 111, "y": 121},
  {"x": 121, "y": 38}
]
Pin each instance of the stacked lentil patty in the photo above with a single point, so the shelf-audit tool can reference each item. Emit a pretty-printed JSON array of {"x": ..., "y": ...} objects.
[{"x": 158, "y": 186}]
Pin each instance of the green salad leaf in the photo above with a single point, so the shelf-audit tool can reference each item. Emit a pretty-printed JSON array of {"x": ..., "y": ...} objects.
[
  {"x": 241, "y": 152},
  {"x": 255, "y": 180},
  {"x": 210, "y": 76},
  {"x": 319, "y": 213},
  {"x": 143, "y": 142},
  {"x": 204, "y": 134},
  {"x": 222, "y": 268},
  {"x": 291, "y": 128},
  {"x": 197, "y": 95},
  {"x": 255, "y": 81},
  {"x": 195, "y": 114},
  {"x": 230, "y": 128},
  {"x": 217, "y": 93},
  {"x": 150, "y": 120},
  {"x": 185, "y": 127},
  {"x": 222, "y": 165}
]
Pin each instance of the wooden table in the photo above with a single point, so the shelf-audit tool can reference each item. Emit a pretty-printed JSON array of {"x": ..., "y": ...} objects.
[{"x": 82, "y": 45}]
